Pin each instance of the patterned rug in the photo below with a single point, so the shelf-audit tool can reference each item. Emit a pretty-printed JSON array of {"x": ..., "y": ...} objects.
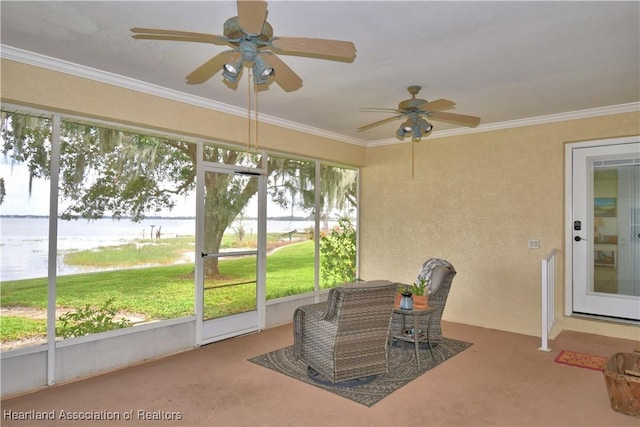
[
  {"x": 581, "y": 360},
  {"x": 402, "y": 370}
]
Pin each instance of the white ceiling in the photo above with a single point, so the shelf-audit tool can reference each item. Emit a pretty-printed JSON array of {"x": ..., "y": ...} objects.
[{"x": 502, "y": 61}]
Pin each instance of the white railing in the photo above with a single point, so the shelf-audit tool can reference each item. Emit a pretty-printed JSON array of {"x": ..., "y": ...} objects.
[{"x": 548, "y": 297}]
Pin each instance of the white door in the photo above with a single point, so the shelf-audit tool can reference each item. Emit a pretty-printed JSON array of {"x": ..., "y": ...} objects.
[{"x": 605, "y": 229}]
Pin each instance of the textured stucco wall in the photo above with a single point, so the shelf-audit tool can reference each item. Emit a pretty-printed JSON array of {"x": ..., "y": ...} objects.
[{"x": 476, "y": 200}]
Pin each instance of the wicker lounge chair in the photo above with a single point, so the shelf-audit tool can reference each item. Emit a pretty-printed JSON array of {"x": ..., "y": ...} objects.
[
  {"x": 438, "y": 275},
  {"x": 345, "y": 338}
]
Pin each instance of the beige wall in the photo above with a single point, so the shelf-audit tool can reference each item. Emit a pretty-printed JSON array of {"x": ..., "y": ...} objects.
[{"x": 476, "y": 200}]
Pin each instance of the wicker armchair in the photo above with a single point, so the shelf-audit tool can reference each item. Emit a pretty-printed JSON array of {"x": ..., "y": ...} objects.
[
  {"x": 438, "y": 275},
  {"x": 345, "y": 338}
]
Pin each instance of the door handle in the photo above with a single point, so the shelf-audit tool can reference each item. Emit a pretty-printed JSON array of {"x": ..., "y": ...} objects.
[{"x": 578, "y": 238}]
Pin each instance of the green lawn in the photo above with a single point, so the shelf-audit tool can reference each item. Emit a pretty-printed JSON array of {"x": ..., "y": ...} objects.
[
  {"x": 159, "y": 292},
  {"x": 15, "y": 328}
]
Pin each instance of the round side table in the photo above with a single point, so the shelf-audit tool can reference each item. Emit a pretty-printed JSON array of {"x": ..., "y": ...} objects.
[{"x": 415, "y": 336}]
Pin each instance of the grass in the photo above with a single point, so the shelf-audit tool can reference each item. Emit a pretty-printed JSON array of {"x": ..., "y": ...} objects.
[
  {"x": 290, "y": 270},
  {"x": 161, "y": 292},
  {"x": 15, "y": 328}
]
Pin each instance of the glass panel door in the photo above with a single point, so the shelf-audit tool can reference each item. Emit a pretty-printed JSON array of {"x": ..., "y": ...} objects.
[
  {"x": 231, "y": 261},
  {"x": 606, "y": 230},
  {"x": 628, "y": 266}
]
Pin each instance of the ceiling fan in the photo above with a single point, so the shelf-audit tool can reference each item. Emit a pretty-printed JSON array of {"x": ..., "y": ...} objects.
[
  {"x": 251, "y": 38},
  {"x": 416, "y": 112}
]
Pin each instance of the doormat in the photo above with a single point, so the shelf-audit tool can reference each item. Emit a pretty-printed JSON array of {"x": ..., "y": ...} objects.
[
  {"x": 581, "y": 360},
  {"x": 402, "y": 370}
]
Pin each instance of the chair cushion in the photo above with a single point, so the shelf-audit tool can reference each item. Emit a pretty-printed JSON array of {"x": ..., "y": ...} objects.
[{"x": 439, "y": 273}]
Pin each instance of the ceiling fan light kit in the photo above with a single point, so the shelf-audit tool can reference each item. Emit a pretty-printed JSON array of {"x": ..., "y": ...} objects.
[
  {"x": 262, "y": 70},
  {"x": 231, "y": 70},
  {"x": 416, "y": 126}
]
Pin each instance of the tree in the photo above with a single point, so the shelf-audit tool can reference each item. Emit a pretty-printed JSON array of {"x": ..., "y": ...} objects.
[
  {"x": 339, "y": 191},
  {"x": 122, "y": 174}
]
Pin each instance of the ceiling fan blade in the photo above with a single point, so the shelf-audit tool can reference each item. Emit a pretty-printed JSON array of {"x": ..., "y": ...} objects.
[
  {"x": 211, "y": 67},
  {"x": 251, "y": 16},
  {"x": 378, "y": 123},
  {"x": 158, "y": 34},
  {"x": 382, "y": 110},
  {"x": 283, "y": 75},
  {"x": 179, "y": 38},
  {"x": 461, "y": 119},
  {"x": 326, "y": 49},
  {"x": 438, "y": 104}
]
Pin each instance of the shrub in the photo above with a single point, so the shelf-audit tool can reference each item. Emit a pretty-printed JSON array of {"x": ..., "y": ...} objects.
[
  {"x": 89, "y": 320},
  {"x": 338, "y": 254}
]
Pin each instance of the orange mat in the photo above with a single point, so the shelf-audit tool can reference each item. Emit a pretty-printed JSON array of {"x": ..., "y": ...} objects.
[{"x": 581, "y": 360}]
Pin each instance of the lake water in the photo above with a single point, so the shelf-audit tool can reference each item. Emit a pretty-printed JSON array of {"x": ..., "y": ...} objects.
[{"x": 24, "y": 243}]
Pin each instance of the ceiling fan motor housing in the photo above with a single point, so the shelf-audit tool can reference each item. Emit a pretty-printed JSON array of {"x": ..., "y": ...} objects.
[
  {"x": 411, "y": 104},
  {"x": 248, "y": 50}
]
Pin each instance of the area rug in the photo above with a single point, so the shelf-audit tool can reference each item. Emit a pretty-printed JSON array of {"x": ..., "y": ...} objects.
[
  {"x": 581, "y": 360},
  {"x": 402, "y": 369}
]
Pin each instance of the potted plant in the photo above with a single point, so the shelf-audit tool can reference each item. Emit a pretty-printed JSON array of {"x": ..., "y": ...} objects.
[{"x": 420, "y": 291}]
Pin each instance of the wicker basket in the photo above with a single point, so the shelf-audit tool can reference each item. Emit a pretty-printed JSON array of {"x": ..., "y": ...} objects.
[{"x": 622, "y": 385}]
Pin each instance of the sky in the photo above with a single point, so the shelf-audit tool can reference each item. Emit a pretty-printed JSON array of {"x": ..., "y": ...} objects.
[{"x": 17, "y": 200}]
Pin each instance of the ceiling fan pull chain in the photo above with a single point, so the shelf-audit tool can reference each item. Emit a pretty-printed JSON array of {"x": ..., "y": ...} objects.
[
  {"x": 413, "y": 158},
  {"x": 255, "y": 105},
  {"x": 249, "y": 110}
]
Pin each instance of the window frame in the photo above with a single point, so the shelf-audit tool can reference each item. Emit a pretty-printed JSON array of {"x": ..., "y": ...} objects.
[{"x": 56, "y": 120}]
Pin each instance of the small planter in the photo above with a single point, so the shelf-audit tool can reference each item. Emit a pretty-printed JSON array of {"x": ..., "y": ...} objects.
[{"x": 420, "y": 301}]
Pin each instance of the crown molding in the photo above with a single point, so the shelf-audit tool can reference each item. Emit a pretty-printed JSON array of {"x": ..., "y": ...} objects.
[{"x": 82, "y": 71}]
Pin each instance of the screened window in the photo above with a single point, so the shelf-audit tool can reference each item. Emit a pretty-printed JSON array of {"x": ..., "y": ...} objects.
[
  {"x": 290, "y": 227},
  {"x": 125, "y": 227},
  {"x": 24, "y": 229},
  {"x": 338, "y": 214}
]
